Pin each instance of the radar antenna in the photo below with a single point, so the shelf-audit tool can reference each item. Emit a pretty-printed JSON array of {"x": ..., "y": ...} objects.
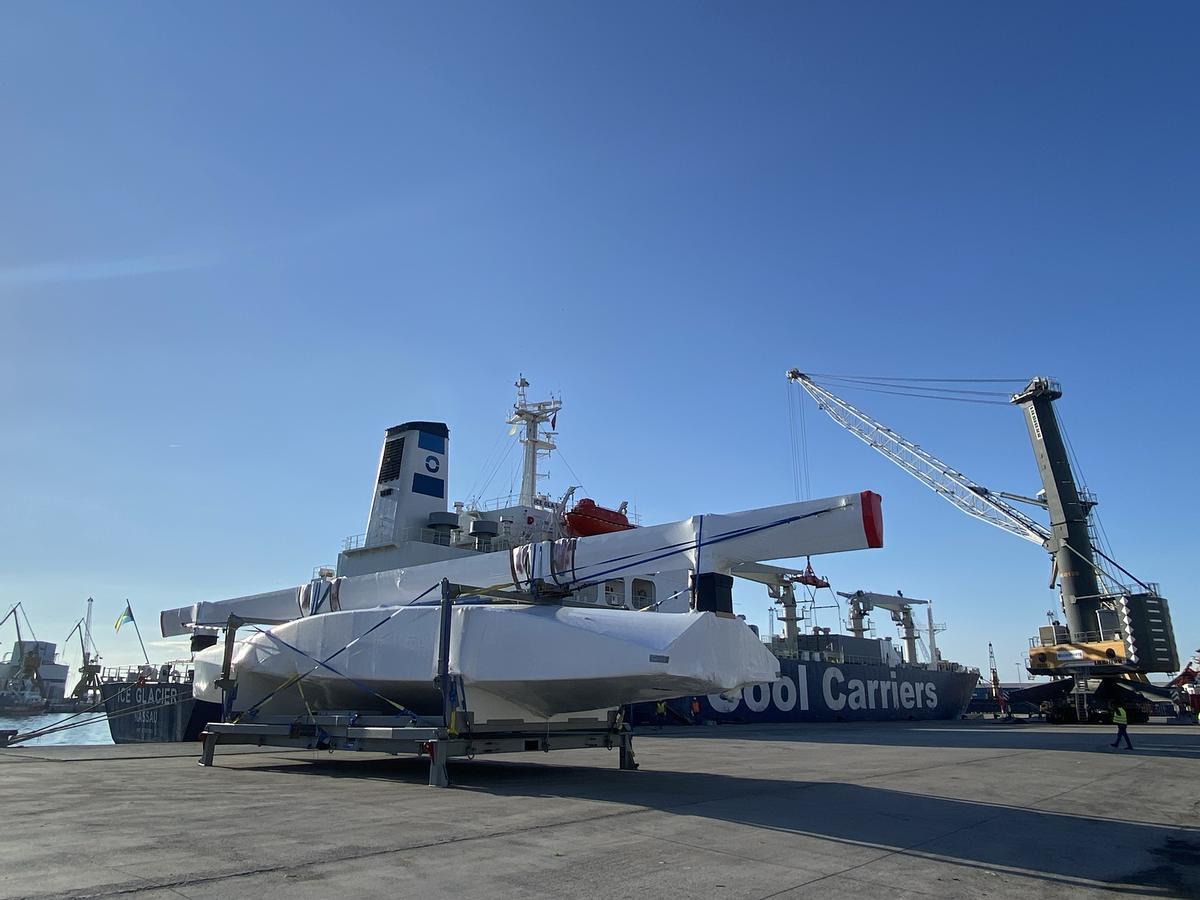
[{"x": 536, "y": 441}]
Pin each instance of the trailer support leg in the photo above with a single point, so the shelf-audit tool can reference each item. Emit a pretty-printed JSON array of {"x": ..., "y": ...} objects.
[
  {"x": 438, "y": 776},
  {"x": 627, "y": 763},
  {"x": 209, "y": 748}
]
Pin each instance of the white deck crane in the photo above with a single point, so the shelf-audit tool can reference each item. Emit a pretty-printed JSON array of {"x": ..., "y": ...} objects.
[{"x": 861, "y": 604}]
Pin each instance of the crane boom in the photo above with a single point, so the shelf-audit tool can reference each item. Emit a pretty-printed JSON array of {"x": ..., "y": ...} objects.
[
  {"x": 950, "y": 484},
  {"x": 12, "y": 613}
]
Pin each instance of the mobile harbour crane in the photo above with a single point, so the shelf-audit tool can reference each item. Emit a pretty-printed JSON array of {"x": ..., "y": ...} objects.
[{"x": 1117, "y": 627}]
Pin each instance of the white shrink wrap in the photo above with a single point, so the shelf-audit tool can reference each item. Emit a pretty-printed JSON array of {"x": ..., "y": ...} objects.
[{"x": 532, "y": 663}]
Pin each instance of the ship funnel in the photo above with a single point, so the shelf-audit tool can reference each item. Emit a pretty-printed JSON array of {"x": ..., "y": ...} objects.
[{"x": 410, "y": 483}]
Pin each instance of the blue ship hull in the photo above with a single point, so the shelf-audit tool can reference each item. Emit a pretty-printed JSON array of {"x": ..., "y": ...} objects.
[
  {"x": 155, "y": 712},
  {"x": 830, "y": 692}
]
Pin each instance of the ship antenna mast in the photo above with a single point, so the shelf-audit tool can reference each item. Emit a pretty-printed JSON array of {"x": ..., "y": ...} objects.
[{"x": 531, "y": 416}]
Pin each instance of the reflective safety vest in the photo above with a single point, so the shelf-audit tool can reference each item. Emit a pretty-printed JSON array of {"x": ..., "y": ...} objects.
[{"x": 1120, "y": 717}]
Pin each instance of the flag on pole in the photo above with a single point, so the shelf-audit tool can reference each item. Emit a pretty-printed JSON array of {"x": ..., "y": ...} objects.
[{"x": 126, "y": 616}]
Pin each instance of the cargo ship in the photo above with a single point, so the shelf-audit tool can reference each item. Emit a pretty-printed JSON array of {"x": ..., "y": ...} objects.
[
  {"x": 154, "y": 703},
  {"x": 831, "y": 677},
  {"x": 815, "y": 690},
  {"x": 410, "y": 530}
]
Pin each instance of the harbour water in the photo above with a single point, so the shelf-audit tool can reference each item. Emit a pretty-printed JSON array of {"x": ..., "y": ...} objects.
[{"x": 94, "y": 732}]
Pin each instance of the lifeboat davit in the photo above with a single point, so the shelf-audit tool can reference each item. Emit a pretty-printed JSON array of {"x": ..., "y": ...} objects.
[{"x": 586, "y": 519}]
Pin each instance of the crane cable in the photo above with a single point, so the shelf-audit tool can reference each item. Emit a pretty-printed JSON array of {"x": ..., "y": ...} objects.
[
  {"x": 923, "y": 388},
  {"x": 486, "y": 464},
  {"x": 791, "y": 417},
  {"x": 798, "y": 434},
  {"x": 915, "y": 392},
  {"x": 572, "y": 471},
  {"x": 905, "y": 378},
  {"x": 918, "y": 387},
  {"x": 808, "y": 492},
  {"x": 1105, "y": 546},
  {"x": 500, "y": 460},
  {"x": 794, "y": 445}
]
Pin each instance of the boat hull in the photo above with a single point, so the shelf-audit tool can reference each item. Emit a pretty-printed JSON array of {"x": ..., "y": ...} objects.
[
  {"x": 831, "y": 692},
  {"x": 19, "y": 707},
  {"x": 155, "y": 712},
  {"x": 587, "y": 519},
  {"x": 522, "y": 662}
]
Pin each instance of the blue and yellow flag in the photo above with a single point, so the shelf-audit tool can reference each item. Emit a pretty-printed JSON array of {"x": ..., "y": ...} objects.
[{"x": 126, "y": 616}]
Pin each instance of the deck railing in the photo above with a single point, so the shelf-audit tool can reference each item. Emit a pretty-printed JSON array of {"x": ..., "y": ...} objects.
[{"x": 175, "y": 671}]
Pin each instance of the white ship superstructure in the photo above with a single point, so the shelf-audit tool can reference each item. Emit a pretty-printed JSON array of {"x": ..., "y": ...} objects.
[{"x": 410, "y": 524}]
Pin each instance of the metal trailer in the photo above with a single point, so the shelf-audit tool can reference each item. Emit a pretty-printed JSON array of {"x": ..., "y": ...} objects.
[
  {"x": 431, "y": 736},
  {"x": 401, "y": 734}
]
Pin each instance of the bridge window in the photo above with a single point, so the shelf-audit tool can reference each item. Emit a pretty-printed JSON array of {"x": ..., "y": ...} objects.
[
  {"x": 614, "y": 592},
  {"x": 643, "y": 593}
]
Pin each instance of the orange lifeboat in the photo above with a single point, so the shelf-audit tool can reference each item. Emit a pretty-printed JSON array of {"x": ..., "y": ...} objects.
[{"x": 586, "y": 519}]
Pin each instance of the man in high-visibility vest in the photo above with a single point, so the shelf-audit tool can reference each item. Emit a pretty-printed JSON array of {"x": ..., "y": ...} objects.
[{"x": 1121, "y": 720}]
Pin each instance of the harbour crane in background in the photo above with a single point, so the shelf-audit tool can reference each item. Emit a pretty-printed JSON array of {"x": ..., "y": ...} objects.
[
  {"x": 87, "y": 688},
  {"x": 1116, "y": 624},
  {"x": 997, "y": 693},
  {"x": 26, "y": 660}
]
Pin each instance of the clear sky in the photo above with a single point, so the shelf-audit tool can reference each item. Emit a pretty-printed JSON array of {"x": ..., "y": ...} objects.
[{"x": 240, "y": 240}]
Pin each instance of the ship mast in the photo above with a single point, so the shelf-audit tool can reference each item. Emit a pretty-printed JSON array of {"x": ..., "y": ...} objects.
[{"x": 531, "y": 416}]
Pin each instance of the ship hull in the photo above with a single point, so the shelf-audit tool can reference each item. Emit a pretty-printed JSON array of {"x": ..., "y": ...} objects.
[
  {"x": 10, "y": 707},
  {"x": 155, "y": 712},
  {"x": 830, "y": 692}
]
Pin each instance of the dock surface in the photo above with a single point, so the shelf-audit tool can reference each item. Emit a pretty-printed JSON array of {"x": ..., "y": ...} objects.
[{"x": 890, "y": 810}]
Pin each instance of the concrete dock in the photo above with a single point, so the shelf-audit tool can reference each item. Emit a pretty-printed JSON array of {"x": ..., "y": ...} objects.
[{"x": 850, "y": 810}]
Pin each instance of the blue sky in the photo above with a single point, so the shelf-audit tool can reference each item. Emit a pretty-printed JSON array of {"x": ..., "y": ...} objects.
[{"x": 240, "y": 241}]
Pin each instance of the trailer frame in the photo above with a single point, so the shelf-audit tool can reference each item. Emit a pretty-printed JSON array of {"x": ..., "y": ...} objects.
[{"x": 424, "y": 737}]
